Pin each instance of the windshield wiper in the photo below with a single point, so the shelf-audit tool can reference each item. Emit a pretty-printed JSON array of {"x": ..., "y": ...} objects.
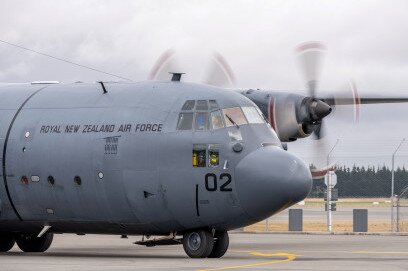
[{"x": 232, "y": 121}]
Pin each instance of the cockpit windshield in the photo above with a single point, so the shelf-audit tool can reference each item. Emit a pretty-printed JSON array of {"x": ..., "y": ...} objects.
[
  {"x": 203, "y": 115},
  {"x": 234, "y": 116},
  {"x": 216, "y": 120},
  {"x": 252, "y": 114}
]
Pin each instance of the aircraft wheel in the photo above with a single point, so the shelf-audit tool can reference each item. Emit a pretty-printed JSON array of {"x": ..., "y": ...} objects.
[
  {"x": 198, "y": 243},
  {"x": 221, "y": 243},
  {"x": 29, "y": 242},
  {"x": 6, "y": 242}
]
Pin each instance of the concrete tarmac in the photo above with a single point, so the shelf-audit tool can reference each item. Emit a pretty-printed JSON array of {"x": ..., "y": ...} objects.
[{"x": 247, "y": 252}]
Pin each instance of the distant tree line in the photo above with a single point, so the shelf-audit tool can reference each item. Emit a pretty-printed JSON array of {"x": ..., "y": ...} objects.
[{"x": 363, "y": 182}]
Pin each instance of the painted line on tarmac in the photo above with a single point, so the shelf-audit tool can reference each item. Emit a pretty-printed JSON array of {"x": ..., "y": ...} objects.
[
  {"x": 380, "y": 252},
  {"x": 287, "y": 257}
]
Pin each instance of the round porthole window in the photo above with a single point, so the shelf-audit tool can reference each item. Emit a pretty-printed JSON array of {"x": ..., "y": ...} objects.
[
  {"x": 77, "y": 180},
  {"x": 100, "y": 175},
  {"x": 51, "y": 180}
]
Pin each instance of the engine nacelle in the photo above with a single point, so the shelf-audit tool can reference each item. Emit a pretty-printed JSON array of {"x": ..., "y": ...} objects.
[{"x": 292, "y": 116}]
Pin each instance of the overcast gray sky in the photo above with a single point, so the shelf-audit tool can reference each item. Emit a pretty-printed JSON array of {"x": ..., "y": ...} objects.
[{"x": 365, "y": 40}]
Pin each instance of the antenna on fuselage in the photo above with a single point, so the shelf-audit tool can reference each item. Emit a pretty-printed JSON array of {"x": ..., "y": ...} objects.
[
  {"x": 103, "y": 87},
  {"x": 176, "y": 76}
]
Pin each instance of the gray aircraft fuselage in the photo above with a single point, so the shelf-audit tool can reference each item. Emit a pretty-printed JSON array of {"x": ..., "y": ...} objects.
[{"x": 84, "y": 161}]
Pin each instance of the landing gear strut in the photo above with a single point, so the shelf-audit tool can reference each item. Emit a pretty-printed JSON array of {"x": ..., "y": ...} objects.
[
  {"x": 29, "y": 242},
  {"x": 6, "y": 242},
  {"x": 202, "y": 244}
]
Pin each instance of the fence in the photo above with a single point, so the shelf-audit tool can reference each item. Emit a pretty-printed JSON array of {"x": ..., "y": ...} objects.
[
  {"x": 365, "y": 180},
  {"x": 402, "y": 211}
]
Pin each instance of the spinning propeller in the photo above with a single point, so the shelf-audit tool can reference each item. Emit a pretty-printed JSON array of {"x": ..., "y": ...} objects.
[
  {"x": 306, "y": 116},
  {"x": 313, "y": 110},
  {"x": 217, "y": 72}
]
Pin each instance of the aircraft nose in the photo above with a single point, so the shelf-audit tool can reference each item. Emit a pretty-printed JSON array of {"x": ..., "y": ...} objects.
[{"x": 269, "y": 180}]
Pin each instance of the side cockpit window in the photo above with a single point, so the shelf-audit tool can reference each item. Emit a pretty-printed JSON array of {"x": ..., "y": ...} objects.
[
  {"x": 252, "y": 114},
  {"x": 188, "y": 105},
  {"x": 185, "y": 121},
  {"x": 213, "y": 104},
  {"x": 201, "y": 105}
]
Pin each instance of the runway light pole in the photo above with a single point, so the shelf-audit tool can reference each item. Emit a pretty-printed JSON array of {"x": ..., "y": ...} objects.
[
  {"x": 392, "y": 183},
  {"x": 328, "y": 191}
]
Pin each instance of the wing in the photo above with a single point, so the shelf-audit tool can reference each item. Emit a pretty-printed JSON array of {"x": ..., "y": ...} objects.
[{"x": 363, "y": 100}]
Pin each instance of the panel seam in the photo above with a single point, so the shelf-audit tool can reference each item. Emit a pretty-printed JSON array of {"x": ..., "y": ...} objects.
[{"x": 5, "y": 150}]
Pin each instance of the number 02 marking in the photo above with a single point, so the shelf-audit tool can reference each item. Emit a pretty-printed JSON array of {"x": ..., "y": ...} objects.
[
  {"x": 211, "y": 182},
  {"x": 224, "y": 187}
]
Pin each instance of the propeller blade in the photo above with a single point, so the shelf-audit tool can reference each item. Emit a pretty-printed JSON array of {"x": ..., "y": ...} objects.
[
  {"x": 319, "y": 131},
  {"x": 320, "y": 173},
  {"x": 165, "y": 64},
  {"x": 219, "y": 72},
  {"x": 310, "y": 56},
  {"x": 348, "y": 95}
]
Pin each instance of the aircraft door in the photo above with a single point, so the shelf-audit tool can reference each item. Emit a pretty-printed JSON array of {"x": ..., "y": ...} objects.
[{"x": 216, "y": 195}]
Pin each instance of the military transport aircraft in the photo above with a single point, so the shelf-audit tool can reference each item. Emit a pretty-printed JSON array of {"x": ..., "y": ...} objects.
[{"x": 185, "y": 161}]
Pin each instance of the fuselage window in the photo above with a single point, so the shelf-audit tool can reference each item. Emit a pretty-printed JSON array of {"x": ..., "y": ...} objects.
[
  {"x": 201, "y": 121},
  {"x": 188, "y": 105},
  {"x": 199, "y": 155},
  {"x": 185, "y": 121},
  {"x": 234, "y": 116},
  {"x": 216, "y": 120},
  {"x": 201, "y": 105},
  {"x": 252, "y": 114}
]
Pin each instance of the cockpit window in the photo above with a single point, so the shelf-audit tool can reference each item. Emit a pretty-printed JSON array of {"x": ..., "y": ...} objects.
[
  {"x": 252, "y": 114},
  {"x": 185, "y": 121},
  {"x": 202, "y": 105},
  {"x": 216, "y": 120},
  {"x": 204, "y": 115},
  {"x": 213, "y": 104},
  {"x": 234, "y": 116},
  {"x": 201, "y": 121},
  {"x": 188, "y": 105}
]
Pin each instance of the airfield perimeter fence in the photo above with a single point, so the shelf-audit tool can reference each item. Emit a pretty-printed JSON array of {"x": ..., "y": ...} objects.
[{"x": 364, "y": 181}]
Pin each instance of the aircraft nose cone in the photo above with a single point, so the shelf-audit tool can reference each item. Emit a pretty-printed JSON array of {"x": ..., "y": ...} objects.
[{"x": 269, "y": 180}]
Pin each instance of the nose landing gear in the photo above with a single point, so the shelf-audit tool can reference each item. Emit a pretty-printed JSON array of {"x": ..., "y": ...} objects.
[{"x": 202, "y": 244}]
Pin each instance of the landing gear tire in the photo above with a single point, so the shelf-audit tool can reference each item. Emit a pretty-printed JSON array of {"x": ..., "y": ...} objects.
[
  {"x": 6, "y": 242},
  {"x": 29, "y": 242},
  {"x": 221, "y": 243},
  {"x": 198, "y": 243}
]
